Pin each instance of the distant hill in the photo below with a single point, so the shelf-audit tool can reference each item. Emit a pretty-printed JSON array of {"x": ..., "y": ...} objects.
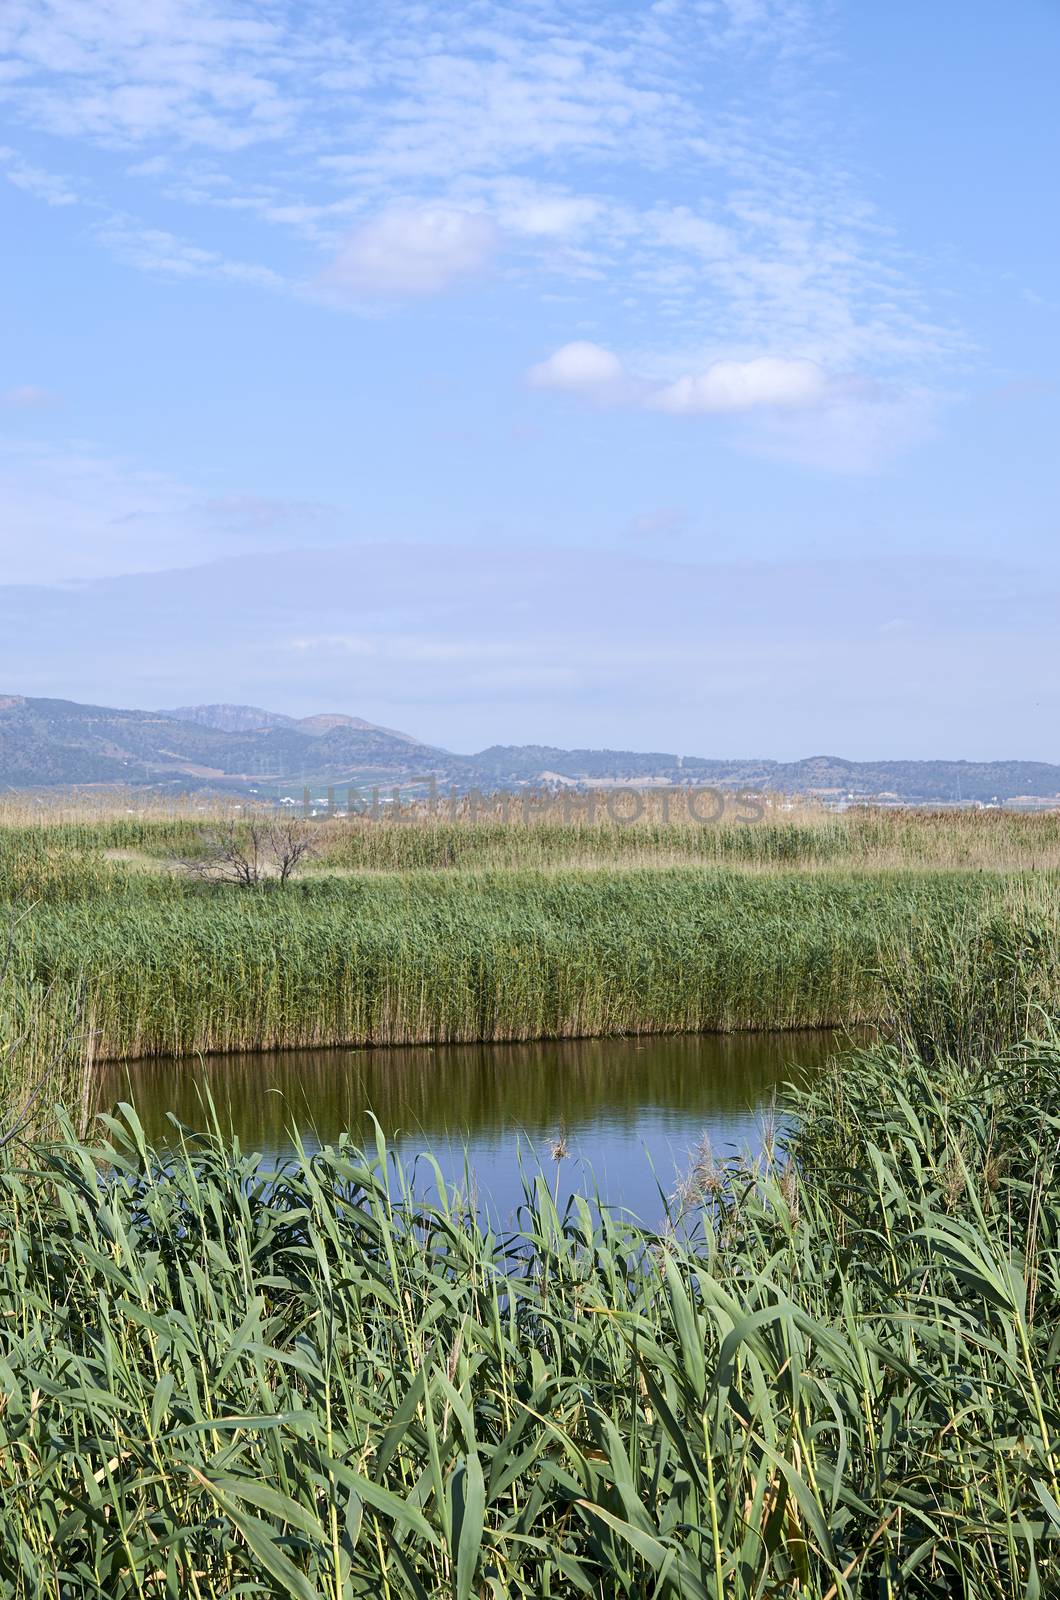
[
  {"x": 923, "y": 781},
  {"x": 54, "y": 743},
  {"x": 527, "y": 762},
  {"x": 252, "y": 719},
  {"x": 829, "y": 777}
]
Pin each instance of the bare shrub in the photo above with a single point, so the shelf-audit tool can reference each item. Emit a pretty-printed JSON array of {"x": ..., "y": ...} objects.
[{"x": 254, "y": 852}]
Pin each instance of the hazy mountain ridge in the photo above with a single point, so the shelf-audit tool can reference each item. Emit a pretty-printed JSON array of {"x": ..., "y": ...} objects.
[
  {"x": 55, "y": 742},
  {"x": 253, "y": 719},
  {"x": 51, "y": 743}
]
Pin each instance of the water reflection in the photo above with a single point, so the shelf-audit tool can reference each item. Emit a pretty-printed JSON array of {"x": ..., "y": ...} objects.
[{"x": 626, "y": 1106}]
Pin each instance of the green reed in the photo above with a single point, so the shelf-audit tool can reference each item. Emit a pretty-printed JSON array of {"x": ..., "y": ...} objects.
[
  {"x": 832, "y": 1374},
  {"x": 581, "y": 831},
  {"x": 573, "y": 830},
  {"x": 436, "y": 930},
  {"x": 170, "y": 965}
]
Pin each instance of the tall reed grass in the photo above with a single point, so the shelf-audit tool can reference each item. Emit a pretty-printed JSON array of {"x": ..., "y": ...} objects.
[
  {"x": 45, "y": 1048},
  {"x": 173, "y": 967},
  {"x": 572, "y": 830},
  {"x": 561, "y": 834},
  {"x": 833, "y": 1375},
  {"x": 436, "y": 931}
]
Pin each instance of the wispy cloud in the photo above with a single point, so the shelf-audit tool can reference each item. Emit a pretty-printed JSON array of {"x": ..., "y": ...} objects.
[
  {"x": 33, "y": 180},
  {"x": 859, "y": 428},
  {"x": 157, "y": 251},
  {"x": 185, "y": 70},
  {"x": 662, "y": 164}
]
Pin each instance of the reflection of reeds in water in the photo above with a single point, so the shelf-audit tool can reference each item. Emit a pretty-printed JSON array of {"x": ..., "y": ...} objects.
[{"x": 470, "y": 1091}]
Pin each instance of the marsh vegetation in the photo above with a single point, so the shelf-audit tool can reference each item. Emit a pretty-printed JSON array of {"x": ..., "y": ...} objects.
[
  {"x": 427, "y": 930},
  {"x": 830, "y": 1371}
]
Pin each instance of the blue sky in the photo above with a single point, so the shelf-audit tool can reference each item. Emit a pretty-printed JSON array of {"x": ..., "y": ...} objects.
[{"x": 678, "y": 375}]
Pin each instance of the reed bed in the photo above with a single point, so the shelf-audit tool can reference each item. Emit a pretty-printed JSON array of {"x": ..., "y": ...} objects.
[
  {"x": 772, "y": 838},
  {"x": 433, "y": 931},
  {"x": 175, "y": 967},
  {"x": 505, "y": 833},
  {"x": 832, "y": 1374}
]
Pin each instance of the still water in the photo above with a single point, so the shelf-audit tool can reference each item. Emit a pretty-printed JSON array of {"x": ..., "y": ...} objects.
[{"x": 631, "y": 1111}]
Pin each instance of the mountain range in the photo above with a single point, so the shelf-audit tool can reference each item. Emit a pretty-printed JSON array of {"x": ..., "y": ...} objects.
[{"x": 237, "y": 748}]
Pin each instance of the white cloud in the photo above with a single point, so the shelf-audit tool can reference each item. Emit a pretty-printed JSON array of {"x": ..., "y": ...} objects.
[
  {"x": 745, "y": 386},
  {"x": 413, "y": 250},
  {"x": 786, "y": 408},
  {"x": 589, "y": 370},
  {"x": 580, "y": 368}
]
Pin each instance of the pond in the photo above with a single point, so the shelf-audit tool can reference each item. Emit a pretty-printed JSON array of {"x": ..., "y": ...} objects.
[{"x": 631, "y": 1112}]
